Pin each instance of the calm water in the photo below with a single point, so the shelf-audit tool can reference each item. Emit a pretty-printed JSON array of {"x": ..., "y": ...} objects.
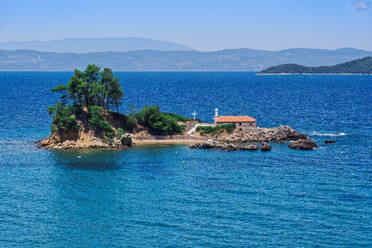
[{"x": 146, "y": 197}]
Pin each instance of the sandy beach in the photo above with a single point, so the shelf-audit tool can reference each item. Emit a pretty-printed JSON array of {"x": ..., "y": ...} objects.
[{"x": 171, "y": 140}]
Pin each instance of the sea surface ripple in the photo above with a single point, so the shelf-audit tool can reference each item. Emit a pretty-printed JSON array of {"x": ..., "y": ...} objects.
[{"x": 146, "y": 197}]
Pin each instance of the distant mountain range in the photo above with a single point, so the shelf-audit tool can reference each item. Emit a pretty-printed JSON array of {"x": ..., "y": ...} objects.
[
  {"x": 192, "y": 60},
  {"x": 358, "y": 66},
  {"x": 88, "y": 45}
]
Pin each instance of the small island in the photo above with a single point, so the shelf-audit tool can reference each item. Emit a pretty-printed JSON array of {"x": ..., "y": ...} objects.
[
  {"x": 359, "y": 67},
  {"x": 87, "y": 116}
]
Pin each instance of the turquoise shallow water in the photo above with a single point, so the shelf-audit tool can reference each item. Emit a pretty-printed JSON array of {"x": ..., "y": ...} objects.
[{"x": 146, "y": 197}]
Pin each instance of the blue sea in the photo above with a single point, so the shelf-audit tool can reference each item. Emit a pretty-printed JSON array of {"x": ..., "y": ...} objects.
[{"x": 148, "y": 197}]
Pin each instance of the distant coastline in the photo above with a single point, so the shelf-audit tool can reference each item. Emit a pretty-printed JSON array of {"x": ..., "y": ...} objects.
[
  {"x": 247, "y": 60},
  {"x": 315, "y": 74},
  {"x": 355, "y": 67}
]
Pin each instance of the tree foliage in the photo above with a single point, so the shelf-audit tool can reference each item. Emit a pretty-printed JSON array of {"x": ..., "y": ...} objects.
[
  {"x": 92, "y": 90},
  {"x": 64, "y": 118},
  {"x": 92, "y": 87},
  {"x": 97, "y": 121},
  {"x": 157, "y": 122}
]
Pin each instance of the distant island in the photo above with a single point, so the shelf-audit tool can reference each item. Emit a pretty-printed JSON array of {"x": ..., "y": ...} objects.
[
  {"x": 87, "y": 116},
  {"x": 358, "y": 66}
]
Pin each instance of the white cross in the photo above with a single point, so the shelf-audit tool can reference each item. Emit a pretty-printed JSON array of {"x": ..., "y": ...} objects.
[{"x": 194, "y": 114}]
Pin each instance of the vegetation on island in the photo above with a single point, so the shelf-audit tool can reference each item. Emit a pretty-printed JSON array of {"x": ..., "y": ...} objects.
[
  {"x": 160, "y": 123},
  {"x": 215, "y": 129},
  {"x": 94, "y": 95},
  {"x": 92, "y": 87},
  {"x": 358, "y": 66},
  {"x": 64, "y": 118},
  {"x": 91, "y": 91}
]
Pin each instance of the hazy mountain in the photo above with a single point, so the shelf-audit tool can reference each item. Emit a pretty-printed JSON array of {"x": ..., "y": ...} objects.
[
  {"x": 87, "y": 45},
  {"x": 150, "y": 60}
]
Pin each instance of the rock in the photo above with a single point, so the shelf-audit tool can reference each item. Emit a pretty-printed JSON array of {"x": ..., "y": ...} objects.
[
  {"x": 44, "y": 143},
  {"x": 288, "y": 133},
  {"x": 204, "y": 145},
  {"x": 88, "y": 140},
  {"x": 303, "y": 144},
  {"x": 228, "y": 146},
  {"x": 195, "y": 145},
  {"x": 279, "y": 134},
  {"x": 126, "y": 140},
  {"x": 211, "y": 144},
  {"x": 231, "y": 147},
  {"x": 265, "y": 147},
  {"x": 251, "y": 148},
  {"x": 330, "y": 141}
]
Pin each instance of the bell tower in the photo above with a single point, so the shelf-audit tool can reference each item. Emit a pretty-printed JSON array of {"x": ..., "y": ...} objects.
[{"x": 215, "y": 115}]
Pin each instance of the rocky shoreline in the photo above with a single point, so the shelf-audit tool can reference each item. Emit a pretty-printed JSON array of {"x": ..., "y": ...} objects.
[
  {"x": 301, "y": 144},
  {"x": 237, "y": 140},
  {"x": 253, "y": 139},
  {"x": 279, "y": 134},
  {"x": 212, "y": 144},
  {"x": 54, "y": 142}
]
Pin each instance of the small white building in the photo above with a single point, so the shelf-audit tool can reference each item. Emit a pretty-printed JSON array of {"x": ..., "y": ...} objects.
[{"x": 244, "y": 122}]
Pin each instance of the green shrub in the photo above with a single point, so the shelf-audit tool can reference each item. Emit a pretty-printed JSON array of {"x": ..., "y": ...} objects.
[
  {"x": 120, "y": 133},
  {"x": 53, "y": 128},
  {"x": 213, "y": 129},
  {"x": 131, "y": 122},
  {"x": 178, "y": 117},
  {"x": 182, "y": 128},
  {"x": 107, "y": 139},
  {"x": 64, "y": 118},
  {"x": 97, "y": 121},
  {"x": 205, "y": 129},
  {"x": 158, "y": 122},
  {"x": 228, "y": 127}
]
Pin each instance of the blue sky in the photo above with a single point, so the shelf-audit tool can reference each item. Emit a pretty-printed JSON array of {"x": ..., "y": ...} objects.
[{"x": 201, "y": 24}]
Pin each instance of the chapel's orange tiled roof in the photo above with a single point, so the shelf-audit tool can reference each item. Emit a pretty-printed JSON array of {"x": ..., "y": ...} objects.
[{"x": 222, "y": 119}]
